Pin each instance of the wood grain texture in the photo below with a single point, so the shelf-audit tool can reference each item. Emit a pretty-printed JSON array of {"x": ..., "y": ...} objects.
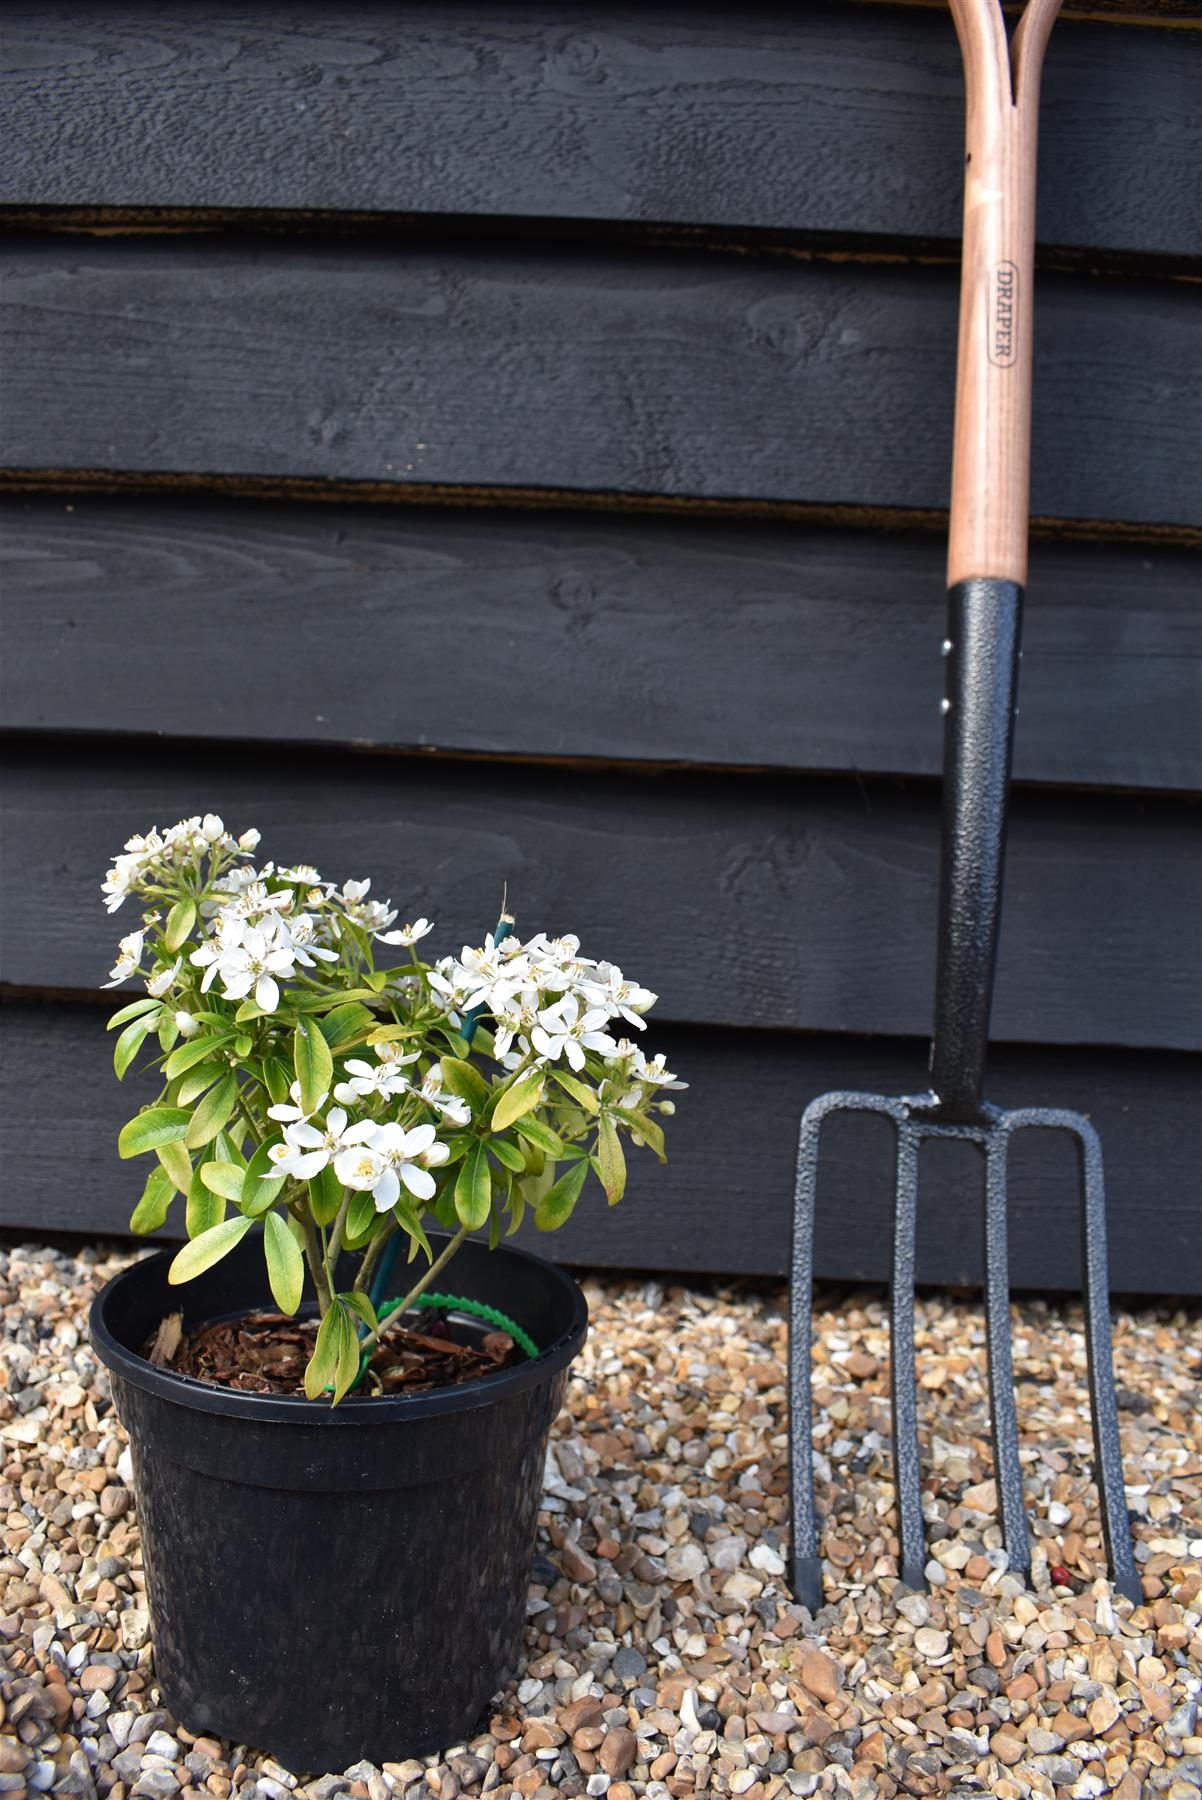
[
  {"x": 827, "y": 119},
  {"x": 666, "y": 374},
  {"x": 770, "y": 901},
  {"x": 723, "y": 1201},
  {"x": 700, "y": 642}
]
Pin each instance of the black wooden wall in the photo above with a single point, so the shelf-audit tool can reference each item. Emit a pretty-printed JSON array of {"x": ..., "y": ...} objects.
[{"x": 509, "y": 444}]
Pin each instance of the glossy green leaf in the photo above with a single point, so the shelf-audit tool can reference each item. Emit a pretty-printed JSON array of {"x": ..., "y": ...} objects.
[
  {"x": 313, "y": 1063},
  {"x": 345, "y": 1022},
  {"x": 325, "y": 1195},
  {"x": 518, "y": 1100},
  {"x": 224, "y": 1178},
  {"x": 177, "y": 1163},
  {"x": 535, "y": 1132},
  {"x": 204, "y": 1251},
  {"x": 206, "y": 1205},
  {"x": 152, "y": 1208},
  {"x": 180, "y": 921},
  {"x": 579, "y": 1090},
  {"x": 335, "y": 1360},
  {"x": 285, "y": 1264},
  {"x": 193, "y": 1084},
  {"x": 151, "y": 1129},
  {"x": 555, "y": 1208},
  {"x": 134, "y": 1010},
  {"x": 212, "y": 1113},
  {"x": 243, "y": 1045},
  {"x": 361, "y": 1216},
  {"x": 409, "y": 1221},
  {"x": 359, "y": 1303},
  {"x": 195, "y": 1050},
  {"x": 611, "y": 1163},
  {"x": 473, "y": 1188},
  {"x": 128, "y": 1045},
  {"x": 647, "y": 1129},
  {"x": 508, "y": 1153},
  {"x": 260, "y": 1186},
  {"x": 460, "y": 1079},
  {"x": 277, "y": 1078}
]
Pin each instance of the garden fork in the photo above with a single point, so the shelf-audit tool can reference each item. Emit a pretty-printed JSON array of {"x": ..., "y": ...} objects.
[{"x": 987, "y": 570}]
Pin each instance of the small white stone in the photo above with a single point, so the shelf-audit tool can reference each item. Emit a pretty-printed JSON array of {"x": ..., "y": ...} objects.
[
  {"x": 685, "y": 1562},
  {"x": 597, "y": 1784},
  {"x": 767, "y": 1560},
  {"x": 928, "y": 1642},
  {"x": 915, "y": 1607}
]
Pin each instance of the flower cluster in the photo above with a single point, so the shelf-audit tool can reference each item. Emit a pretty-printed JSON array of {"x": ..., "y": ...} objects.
[{"x": 346, "y": 1104}]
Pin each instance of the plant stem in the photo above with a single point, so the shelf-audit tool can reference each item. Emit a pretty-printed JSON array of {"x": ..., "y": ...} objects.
[
  {"x": 371, "y": 1257},
  {"x": 335, "y": 1243},
  {"x": 316, "y": 1263},
  {"x": 419, "y": 1287}
]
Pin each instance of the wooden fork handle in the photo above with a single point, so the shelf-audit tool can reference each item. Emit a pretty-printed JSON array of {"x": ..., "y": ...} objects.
[{"x": 992, "y": 448}]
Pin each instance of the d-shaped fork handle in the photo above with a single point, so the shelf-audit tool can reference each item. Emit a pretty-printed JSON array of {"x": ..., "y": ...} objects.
[{"x": 991, "y": 459}]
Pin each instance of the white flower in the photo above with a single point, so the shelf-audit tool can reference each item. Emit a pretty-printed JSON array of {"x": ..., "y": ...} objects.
[
  {"x": 562, "y": 1030},
  {"x": 129, "y": 956},
  {"x": 353, "y": 891},
  {"x": 492, "y": 975},
  {"x": 404, "y": 1157},
  {"x": 300, "y": 935},
  {"x": 212, "y": 827},
  {"x": 408, "y": 934},
  {"x": 452, "y": 1108},
  {"x": 384, "y": 1078},
  {"x": 255, "y": 963},
  {"x": 185, "y": 1024},
  {"x": 226, "y": 938},
  {"x": 294, "y": 1114},
  {"x": 162, "y": 979},
  {"x": 306, "y": 1150},
  {"x": 619, "y": 997},
  {"x": 250, "y": 840}
]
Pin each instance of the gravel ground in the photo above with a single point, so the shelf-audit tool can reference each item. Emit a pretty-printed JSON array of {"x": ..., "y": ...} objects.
[{"x": 664, "y": 1657}]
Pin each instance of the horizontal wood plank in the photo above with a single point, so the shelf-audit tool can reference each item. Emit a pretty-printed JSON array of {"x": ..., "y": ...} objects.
[
  {"x": 760, "y": 901},
  {"x": 752, "y": 645},
  {"x": 827, "y": 119},
  {"x": 666, "y": 374},
  {"x": 723, "y": 1202}
]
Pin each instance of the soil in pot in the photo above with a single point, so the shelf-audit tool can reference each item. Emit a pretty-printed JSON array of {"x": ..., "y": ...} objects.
[{"x": 266, "y": 1353}]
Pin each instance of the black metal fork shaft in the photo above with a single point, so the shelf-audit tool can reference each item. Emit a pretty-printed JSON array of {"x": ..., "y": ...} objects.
[{"x": 982, "y": 648}]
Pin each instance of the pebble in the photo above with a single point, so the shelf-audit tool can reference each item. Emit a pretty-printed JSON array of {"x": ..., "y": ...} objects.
[{"x": 666, "y": 1657}]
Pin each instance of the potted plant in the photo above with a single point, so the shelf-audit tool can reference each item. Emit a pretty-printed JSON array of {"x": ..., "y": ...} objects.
[{"x": 338, "y": 1392}]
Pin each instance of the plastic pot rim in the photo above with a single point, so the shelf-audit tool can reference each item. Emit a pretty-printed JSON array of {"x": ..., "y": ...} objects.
[{"x": 295, "y": 1409}]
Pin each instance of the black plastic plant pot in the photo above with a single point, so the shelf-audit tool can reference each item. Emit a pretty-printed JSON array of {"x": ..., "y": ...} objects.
[{"x": 330, "y": 1584}]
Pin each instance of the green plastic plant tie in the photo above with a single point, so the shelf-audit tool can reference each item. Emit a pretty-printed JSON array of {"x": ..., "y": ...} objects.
[{"x": 477, "y": 1309}]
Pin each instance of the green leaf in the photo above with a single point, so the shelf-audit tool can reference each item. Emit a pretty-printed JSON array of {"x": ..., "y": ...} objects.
[
  {"x": 362, "y": 1305},
  {"x": 407, "y": 1217},
  {"x": 647, "y": 1129},
  {"x": 151, "y": 1129},
  {"x": 194, "y": 1051},
  {"x": 133, "y": 1011},
  {"x": 345, "y": 1022},
  {"x": 535, "y": 1132},
  {"x": 335, "y": 1360},
  {"x": 243, "y": 1045},
  {"x": 392, "y": 1034},
  {"x": 128, "y": 1045},
  {"x": 285, "y": 1264},
  {"x": 517, "y": 1209},
  {"x": 325, "y": 1195},
  {"x": 260, "y": 1185},
  {"x": 180, "y": 921},
  {"x": 168, "y": 1031},
  {"x": 206, "y": 1205},
  {"x": 212, "y": 1113},
  {"x": 178, "y": 1164},
  {"x": 313, "y": 1063},
  {"x": 518, "y": 1100},
  {"x": 277, "y": 1078},
  {"x": 320, "y": 1003},
  {"x": 225, "y": 1150},
  {"x": 555, "y": 1208},
  {"x": 377, "y": 981},
  {"x": 508, "y": 1154},
  {"x": 580, "y": 1091},
  {"x": 361, "y": 1215},
  {"x": 473, "y": 1188},
  {"x": 460, "y": 1079},
  {"x": 194, "y": 1083},
  {"x": 152, "y": 1208},
  {"x": 204, "y": 1251},
  {"x": 611, "y": 1163},
  {"x": 224, "y": 1178},
  {"x": 249, "y": 1011}
]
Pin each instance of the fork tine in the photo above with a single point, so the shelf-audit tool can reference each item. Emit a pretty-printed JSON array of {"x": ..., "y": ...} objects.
[
  {"x": 806, "y": 1570},
  {"x": 906, "y": 1469},
  {"x": 1108, "y": 1458},
  {"x": 1006, "y": 1466}
]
